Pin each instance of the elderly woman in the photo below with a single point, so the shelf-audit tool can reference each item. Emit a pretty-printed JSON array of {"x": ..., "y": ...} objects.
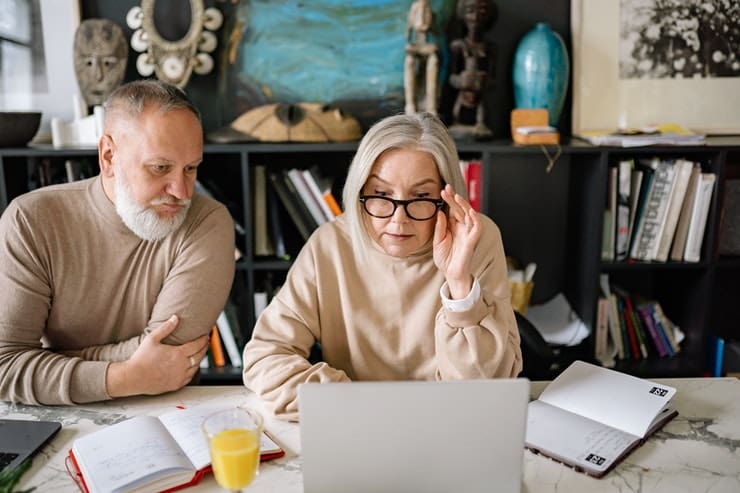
[{"x": 409, "y": 283}]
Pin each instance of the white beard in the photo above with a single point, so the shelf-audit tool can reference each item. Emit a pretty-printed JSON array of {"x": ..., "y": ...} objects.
[{"x": 144, "y": 220}]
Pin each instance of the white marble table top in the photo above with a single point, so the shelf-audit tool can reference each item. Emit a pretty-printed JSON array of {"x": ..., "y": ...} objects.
[{"x": 698, "y": 451}]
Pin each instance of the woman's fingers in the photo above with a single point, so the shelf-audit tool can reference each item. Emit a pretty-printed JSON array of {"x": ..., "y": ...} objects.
[{"x": 459, "y": 208}]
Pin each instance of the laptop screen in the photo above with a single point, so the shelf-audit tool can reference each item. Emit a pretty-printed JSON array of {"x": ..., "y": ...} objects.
[{"x": 413, "y": 436}]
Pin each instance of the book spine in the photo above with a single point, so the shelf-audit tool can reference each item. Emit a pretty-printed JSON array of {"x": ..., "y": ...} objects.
[
  {"x": 683, "y": 172},
  {"x": 289, "y": 197},
  {"x": 679, "y": 240},
  {"x": 646, "y": 187},
  {"x": 635, "y": 352},
  {"x": 332, "y": 203},
  {"x": 654, "y": 212},
  {"x": 275, "y": 223},
  {"x": 616, "y": 326},
  {"x": 665, "y": 329},
  {"x": 639, "y": 329},
  {"x": 227, "y": 336},
  {"x": 262, "y": 243},
  {"x": 647, "y": 320},
  {"x": 625, "y": 335},
  {"x": 601, "y": 328},
  {"x": 635, "y": 187},
  {"x": 698, "y": 222},
  {"x": 317, "y": 194},
  {"x": 301, "y": 187},
  {"x": 607, "y": 236},
  {"x": 217, "y": 350},
  {"x": 621, "y": 244},
  {"x": 473, "y": 180}
]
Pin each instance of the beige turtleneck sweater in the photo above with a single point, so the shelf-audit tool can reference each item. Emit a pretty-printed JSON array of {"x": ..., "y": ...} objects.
[
  {"x": 379, "y": 320},
  {"x": 79, "y": 289}
]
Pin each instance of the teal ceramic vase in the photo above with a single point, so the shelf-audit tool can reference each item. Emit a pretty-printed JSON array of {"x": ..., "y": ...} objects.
[{"x": 541, "y": 71}]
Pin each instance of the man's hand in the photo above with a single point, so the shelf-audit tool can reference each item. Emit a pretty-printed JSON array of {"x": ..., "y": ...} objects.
[{"x": 155, "y": 367}]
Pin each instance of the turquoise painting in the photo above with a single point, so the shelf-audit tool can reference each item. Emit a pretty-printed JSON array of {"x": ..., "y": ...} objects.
[{"x": 349, "y": 53}]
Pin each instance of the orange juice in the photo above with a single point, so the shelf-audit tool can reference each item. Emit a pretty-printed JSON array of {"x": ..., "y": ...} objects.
[{"x": 235, "y": 457}]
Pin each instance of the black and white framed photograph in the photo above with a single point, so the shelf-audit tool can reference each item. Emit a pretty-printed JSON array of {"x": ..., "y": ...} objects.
[
  {"x": 639, "y": 63},
  {"x": 36, "y": 62}
]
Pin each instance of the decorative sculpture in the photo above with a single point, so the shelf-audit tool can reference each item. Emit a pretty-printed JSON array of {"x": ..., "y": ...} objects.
[
  {"x": 100, "y": 55},
  {"x": 471, "y": 65},
  {"x": 421, "y": 57},
  {"x": 174, "y": 61},
  {"x": 299, "y": 122}
]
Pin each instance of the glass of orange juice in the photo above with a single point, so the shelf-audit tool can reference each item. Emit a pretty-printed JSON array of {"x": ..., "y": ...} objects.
[{"x": 234, "y": 441}]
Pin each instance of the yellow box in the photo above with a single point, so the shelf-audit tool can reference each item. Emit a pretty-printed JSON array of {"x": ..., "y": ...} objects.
[{"x": 528, "y": 117}]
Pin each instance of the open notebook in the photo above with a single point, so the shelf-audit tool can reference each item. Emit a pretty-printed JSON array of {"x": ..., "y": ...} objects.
[{"x": 413, "y": 436}]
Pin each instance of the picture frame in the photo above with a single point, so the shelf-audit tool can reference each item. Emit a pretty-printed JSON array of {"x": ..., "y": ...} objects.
[
  {"x": 605, "y": 100},
  {"x": 24, "y": 85}
]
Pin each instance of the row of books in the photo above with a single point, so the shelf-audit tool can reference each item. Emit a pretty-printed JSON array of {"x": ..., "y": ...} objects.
[
  {"x": 657, "y": 209},
  {"x": 229, "y": 335},
  {"x": 226, "y": 341},
  {"x": 44, "y": 171},
  {"x": 304, "y": 194},
  {"x": 629, "y": 327}
]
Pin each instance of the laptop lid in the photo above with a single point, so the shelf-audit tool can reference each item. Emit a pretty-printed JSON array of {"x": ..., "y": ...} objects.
[
  {"x": 21, "y": 439},
  {"x": 413, "y": 436}
]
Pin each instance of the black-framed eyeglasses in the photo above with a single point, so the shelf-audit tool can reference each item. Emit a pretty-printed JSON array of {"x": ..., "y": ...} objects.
[{"x": 417, "y": 209}]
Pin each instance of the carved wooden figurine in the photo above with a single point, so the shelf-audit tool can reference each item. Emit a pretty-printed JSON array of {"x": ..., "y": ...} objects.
[
  {"x": 421, "y": 59},
  {"x": 471, "y": 67}
]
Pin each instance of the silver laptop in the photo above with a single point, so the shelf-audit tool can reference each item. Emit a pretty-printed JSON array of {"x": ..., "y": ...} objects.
[
  {"x": 413, "y": 436},
  {"x": 21, "y": 439}
]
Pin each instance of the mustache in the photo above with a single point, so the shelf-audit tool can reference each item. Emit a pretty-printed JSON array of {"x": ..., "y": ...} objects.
[{"x": 170, "y": 201}]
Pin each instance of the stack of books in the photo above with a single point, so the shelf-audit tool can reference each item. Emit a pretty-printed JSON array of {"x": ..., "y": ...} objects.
[
  {"x": 656, "y": 210},
  {"x": 665, "y": 134},
  {"x": 304, "y": 194},
  {"x": 629, "y": 327}
]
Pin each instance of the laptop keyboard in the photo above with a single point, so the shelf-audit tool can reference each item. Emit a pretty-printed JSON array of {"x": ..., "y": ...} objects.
[{"x": 5, "y": 459}]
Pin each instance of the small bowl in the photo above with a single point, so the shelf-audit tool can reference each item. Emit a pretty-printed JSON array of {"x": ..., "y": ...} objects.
[{"x": 17, "y": 128}]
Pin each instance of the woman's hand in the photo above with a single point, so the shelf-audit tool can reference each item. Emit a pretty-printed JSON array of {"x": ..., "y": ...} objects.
[{"x": 455, "y": 238}]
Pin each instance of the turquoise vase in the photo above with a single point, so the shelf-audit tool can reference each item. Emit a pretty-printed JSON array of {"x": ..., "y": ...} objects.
[{"x": 541, "y": 71}]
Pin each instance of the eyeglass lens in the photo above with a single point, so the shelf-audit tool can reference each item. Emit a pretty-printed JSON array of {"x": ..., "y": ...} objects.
[{"x": 418, "y": 209}]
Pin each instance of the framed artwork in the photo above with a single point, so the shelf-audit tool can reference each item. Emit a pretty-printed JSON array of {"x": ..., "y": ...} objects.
[
  {"x": 638, "y": 63},
  {"x": 36, "y": 58},
  {"x": 350, "y": 53}
]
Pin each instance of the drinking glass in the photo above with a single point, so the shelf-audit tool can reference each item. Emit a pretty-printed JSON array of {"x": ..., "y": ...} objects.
[{"x": 234, "y": 442}]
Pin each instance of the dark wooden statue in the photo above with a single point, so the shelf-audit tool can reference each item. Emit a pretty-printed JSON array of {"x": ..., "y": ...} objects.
[{"x": 471, "y": 64}]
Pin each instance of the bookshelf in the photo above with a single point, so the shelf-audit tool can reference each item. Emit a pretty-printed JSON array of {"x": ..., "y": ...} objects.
[{"x": 553, "y": 219}]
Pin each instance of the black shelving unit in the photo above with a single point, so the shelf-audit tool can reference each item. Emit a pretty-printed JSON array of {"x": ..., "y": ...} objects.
[{"x": 553, "y": 219}]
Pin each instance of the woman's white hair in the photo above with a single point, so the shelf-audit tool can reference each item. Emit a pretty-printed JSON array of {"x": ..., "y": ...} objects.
[{"x": 421, "y": 131}]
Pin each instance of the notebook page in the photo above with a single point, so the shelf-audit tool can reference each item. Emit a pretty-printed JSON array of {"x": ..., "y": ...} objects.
[
  {"x": 616, "y": 399},
  {"x": 185, "y": 425},
  {"x": 573, "y": 439},
  {"x": 128, "y": 453}
]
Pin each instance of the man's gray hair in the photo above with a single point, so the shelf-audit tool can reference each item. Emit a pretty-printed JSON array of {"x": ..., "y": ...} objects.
[{"x": 132, "y": 97}]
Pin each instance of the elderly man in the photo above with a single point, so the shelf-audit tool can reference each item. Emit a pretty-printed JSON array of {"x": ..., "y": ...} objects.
[{"x": 111, "y": 285}]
